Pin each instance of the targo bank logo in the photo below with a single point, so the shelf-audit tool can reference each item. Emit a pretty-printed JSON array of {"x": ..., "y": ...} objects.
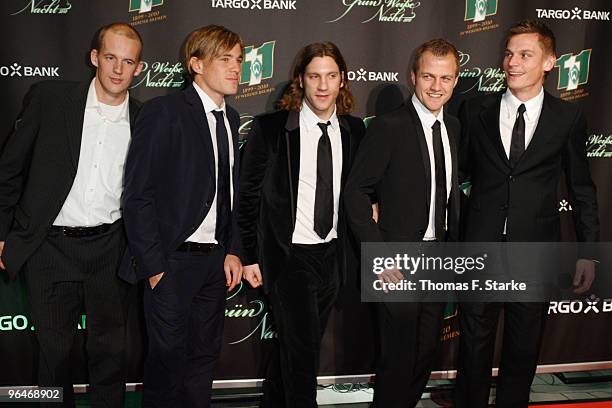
[
  {"x": 385, "y": 11},
  {"x": 573, "y": 70},
  {"x": 372, "y": 76},
  {"x": 145, "y": 11},
  {"x": 257, "y": 66},
  {"x": 479, "y": 10},
  {"x": 574, "y": 14},
  {"x": 45, "y": 7},
  {"x": 255, "y": 4},
  {"x": 591, "y": 304},
  {"x": 18, "y": 70}
]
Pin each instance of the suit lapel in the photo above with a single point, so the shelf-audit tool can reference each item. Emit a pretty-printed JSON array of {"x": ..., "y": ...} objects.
[
  {"x": 452, "y": 139},
  {"x": 196, "y": 110},
  {"x": 292, "y": 135},
  {"x": 490, "y": 119},
  {"x": 133, "y": 111},
  {"x": 418, "y": 129},
  {"x": 74, "y": 112},
  {"x": 234, "y": 121},
  {"x": 345, "y": 133}
]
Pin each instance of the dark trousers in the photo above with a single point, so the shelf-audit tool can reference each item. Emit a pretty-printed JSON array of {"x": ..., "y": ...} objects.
[
  {"x": 64, "y": 274},
  {"x": 523, "y": 327},
  {"x": 409, "y": 339},
  {"x": 302, "y": 298},
  {"x": 184, "y": 315}
]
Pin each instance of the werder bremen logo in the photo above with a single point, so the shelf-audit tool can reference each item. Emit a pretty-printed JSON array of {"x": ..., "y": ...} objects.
[
  {"x": 573, "y": 69},
  {"x": 478, "y": 10},
  {"x": 144, "y": 6},
  {"x": 258, "y": 63}
]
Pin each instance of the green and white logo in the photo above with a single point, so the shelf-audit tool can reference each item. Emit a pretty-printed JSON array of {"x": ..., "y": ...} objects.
[
  {"x": 144, "y": 6},
  {"x": 258, "y": 63},
  {"x": 573, "y": 69},
  {"x": 478, "y": 10}
]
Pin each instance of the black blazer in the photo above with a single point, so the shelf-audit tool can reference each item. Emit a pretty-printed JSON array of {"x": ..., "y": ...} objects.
[
  {"x": 527, "y": 194},
  {"x": 38, "y": 165},
  {"x": 268, "y": 189},
  {"x": 170, "y": 181},
  {"x": 393, "y": 164}
]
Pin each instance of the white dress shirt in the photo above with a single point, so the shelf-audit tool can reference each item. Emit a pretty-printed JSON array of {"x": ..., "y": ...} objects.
[
  {"x": 508, "y": 112},
  {"x": 95, "y": 196},
  {"x": 206, "y": 231},
  {"x": 427, "y": 121},
  {"x": 310, "y": 133}
]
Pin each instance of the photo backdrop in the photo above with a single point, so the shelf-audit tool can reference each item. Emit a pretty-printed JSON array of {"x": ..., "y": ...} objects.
[{"x": 50, "y": 39}]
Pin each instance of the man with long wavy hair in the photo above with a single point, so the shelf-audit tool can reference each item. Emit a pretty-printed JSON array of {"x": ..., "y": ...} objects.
[{"x": 291, "y": 219}]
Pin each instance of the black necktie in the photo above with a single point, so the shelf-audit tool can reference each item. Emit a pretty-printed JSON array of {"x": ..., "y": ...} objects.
[
  {"x": 223, "y": 180},
  {"x": 324, "y": 193},
  {"x": 440, "y": 203},
  {"x": 517, "y": 145}
]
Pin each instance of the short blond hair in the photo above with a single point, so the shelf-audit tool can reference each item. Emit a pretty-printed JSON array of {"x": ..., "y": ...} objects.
[
  {"x": 123, "y": 29},
  {"x": 207, "y": 43}
]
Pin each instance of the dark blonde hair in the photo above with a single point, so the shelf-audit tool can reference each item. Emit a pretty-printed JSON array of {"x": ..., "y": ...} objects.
[
  {"x": 292, "y": 99},
  {"x": 207, "y": 43},
  {"x": 439, "y": 47},
  {"x": 123, "y": 29},
  {"x": 545, "y": 34}
]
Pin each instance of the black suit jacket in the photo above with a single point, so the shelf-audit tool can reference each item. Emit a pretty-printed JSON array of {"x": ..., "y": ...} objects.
[
  {"x": 393, "y": 164},
  {"x": 268, "y": 189},
  {"x": 170, "y": 181},
  {"x": 527, "y": 194},
  {"x": 38, "y": 165}
]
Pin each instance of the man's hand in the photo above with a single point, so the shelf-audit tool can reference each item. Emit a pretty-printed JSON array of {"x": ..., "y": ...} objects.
[
  {"x": 375, "y": 212},
  {"x": 390, "y": 275},
  {"x": 233, "y": 271},
  {"x": 252, "y": 274},
  {"x": 1, "y": 249},
  {"x": 154, "y": 280},
  {"x": 585, "y": 275}
]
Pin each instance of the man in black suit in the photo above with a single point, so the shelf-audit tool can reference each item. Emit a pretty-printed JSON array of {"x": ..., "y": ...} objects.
[
  {"x": 181, "y": 173},
  {"x": 291, "y": 218},
  {"x": 61, "y": 177},
  {"x": 514, "y": 148},
  {"x": 408, "y": 160}
]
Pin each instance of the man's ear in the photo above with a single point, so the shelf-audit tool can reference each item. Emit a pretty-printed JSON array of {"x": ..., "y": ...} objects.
[
  {"x": 197, "y": 65},
  {"x": 93, "y": 57}
]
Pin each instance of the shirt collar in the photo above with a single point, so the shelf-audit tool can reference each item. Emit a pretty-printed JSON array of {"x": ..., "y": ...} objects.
[
  {"x": 207, "y": 102},
  {"x": 94, "y": 104},
  {"x": 532, "y": 106},
  {"x": 427, "y": 118},
  {"x": 309, "y": 120}
]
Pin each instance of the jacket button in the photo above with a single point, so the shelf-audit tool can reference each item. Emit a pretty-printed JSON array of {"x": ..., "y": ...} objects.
[
  {"x": 503, "y": 207},
  {"x": 421, "y": 233},
  {"x": 207, "y": 204},
  {"x": 511, "y": 178}
]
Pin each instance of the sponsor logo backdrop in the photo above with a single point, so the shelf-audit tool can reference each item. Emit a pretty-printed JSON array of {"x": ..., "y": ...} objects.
[{"x": 50, "y": 39}]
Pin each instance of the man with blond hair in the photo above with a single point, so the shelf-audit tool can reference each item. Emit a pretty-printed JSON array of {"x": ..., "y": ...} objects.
[
  {"x": 180, "y": 189},
  {"x": 414, "y": 147},
  {"x": 60, "y": 214}
]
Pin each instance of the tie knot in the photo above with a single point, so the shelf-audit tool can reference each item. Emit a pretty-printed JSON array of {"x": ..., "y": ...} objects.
[
  {"x": 324, "y": 126},
  {"x": 218, "y": 115},
  {"x": 436, "y": 125},
  {"x": 521, "y": 109}
]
